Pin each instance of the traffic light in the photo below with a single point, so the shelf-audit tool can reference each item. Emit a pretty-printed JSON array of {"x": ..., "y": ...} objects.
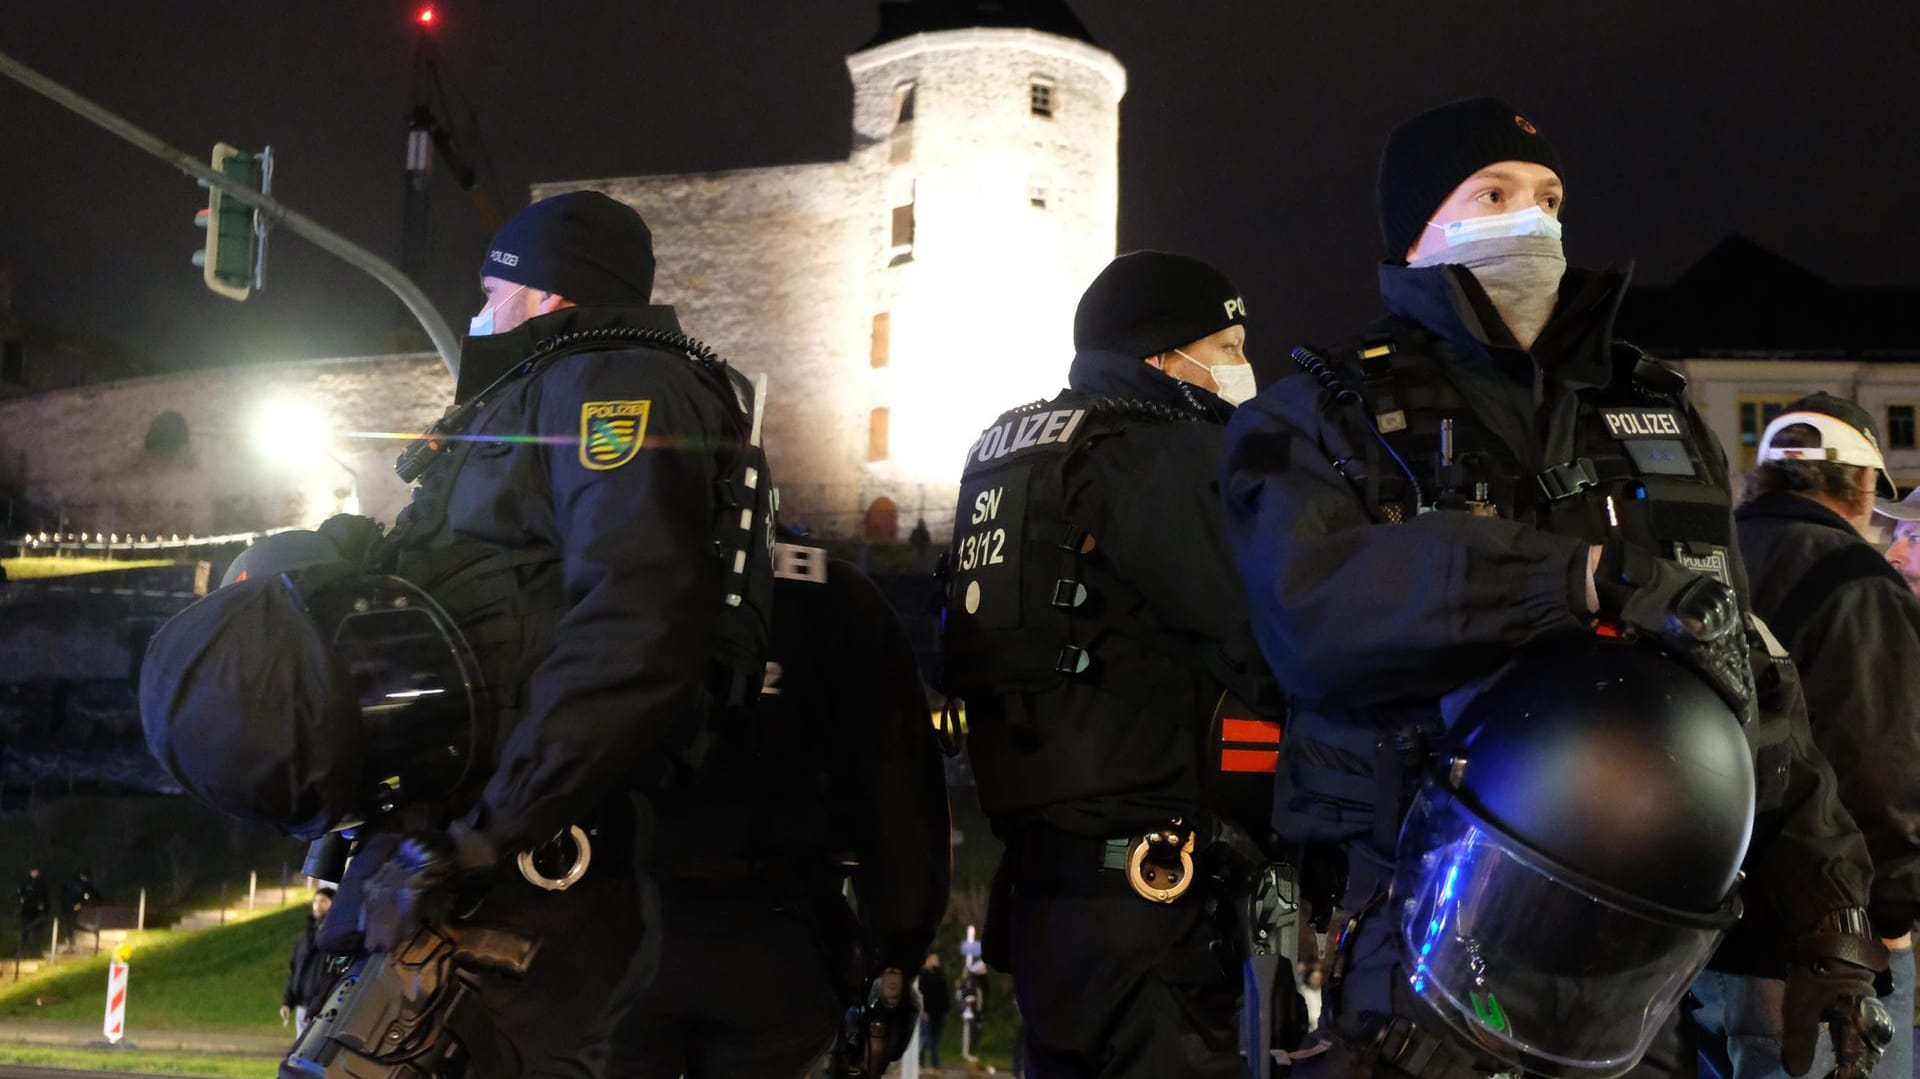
[{"x": 233, "y": 262}]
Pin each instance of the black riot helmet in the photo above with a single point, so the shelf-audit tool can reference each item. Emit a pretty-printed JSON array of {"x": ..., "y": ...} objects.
[
  {"x": 1563, "y": 879},
  {"x": 312, "y": 695}
]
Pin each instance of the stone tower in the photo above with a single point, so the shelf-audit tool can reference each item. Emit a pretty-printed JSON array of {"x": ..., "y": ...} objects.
[
  {"x": 989, "y": 132},
  {"x": 901, "y": 298}
]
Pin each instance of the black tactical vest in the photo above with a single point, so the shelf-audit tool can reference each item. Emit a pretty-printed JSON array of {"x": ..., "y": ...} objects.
[
  {"x": 760, "y": 813},
  {"x": 508, "y": 601},
  {"x": 1044, "y": 642},
  {"x": 1626, "y": 459}
]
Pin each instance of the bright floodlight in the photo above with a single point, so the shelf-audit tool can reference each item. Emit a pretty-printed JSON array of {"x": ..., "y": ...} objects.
[{"x": 284, "y": 427}]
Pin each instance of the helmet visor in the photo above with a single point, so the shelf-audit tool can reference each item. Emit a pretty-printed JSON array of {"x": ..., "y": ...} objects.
[
  {"x": 412, "y": 678},
  {"x": 1535, "y": 965}
]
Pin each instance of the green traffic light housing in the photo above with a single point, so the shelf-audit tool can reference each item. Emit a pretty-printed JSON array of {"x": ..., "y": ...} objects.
[{"x": 233, "y": 262}]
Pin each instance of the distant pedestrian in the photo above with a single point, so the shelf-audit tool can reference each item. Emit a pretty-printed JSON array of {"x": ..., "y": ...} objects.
[
  {"x": 76, "y": 896},
  {"x": 35, "y": 903},
  {"x": 973, "y": 1008},
  {"x": 936, "y": 1001},
  {"x": 1310, "y": 990},
  {"x": 309, "y": 973}
]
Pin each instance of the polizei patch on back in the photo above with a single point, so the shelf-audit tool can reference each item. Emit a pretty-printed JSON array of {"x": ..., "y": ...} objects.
[
  {"x": 1628, "y": 423},
  {"x": 1019, "y": 433},
  {"x": 611, "y": 432},
  {"x": 1709, "y": 560}
]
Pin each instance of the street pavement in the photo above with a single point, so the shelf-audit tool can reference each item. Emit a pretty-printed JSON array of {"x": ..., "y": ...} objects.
[{"x": 87, "y": 1035}]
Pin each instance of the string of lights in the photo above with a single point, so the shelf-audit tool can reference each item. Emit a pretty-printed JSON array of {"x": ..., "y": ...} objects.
[{"x": 46, "y": 543}]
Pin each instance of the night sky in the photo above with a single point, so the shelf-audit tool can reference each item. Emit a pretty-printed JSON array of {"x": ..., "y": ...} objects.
[{"x": 1248, "y": 136}]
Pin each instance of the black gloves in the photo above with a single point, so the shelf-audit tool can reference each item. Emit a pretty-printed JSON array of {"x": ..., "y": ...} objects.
[
  {"x": 1831, "y": 982},
  {"x": 1695, "y": 617},
  {"x": 408, "y": 892},
  {"x": 414, "y": 887}
]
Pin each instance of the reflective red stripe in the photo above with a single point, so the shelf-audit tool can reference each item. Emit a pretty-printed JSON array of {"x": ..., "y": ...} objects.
[
  {"x": 1257, "y": 731},
  {"x": 1250, "y": 760}
]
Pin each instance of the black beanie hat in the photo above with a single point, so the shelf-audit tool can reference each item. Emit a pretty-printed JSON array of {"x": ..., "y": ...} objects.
[
  {"x": 1430, "y": 155},
  {"x": 583, "y": 245},
  {"x": 1146, "y": 302}
]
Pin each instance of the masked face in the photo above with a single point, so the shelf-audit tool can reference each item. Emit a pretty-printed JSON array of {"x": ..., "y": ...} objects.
[
  {"x": 1531, "y": 221},
  {"x": 500, "y": 294},
  {"x": 1216, "y": 363},
  {"x": 1232, "y": 382}
]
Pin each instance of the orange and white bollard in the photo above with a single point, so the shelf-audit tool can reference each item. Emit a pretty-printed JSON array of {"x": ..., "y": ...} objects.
[{"x": 116, "y": 1024}]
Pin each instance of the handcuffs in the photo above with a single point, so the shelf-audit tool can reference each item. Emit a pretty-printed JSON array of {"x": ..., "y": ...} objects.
[
  {"x": 1160, "y": 862},
  {"x": 582, "y": 857}
]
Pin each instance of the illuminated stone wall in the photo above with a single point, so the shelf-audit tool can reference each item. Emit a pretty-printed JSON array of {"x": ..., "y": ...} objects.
[
  {"x": 85, "y": 451},
  {"x": 763, "y": 265},
  {"x": 785, "y": 270}
]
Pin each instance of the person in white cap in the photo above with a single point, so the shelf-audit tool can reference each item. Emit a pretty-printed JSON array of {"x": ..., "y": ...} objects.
[
  {"x": 1854, "y": 632},
  {"x": 1903, "y": 553}
]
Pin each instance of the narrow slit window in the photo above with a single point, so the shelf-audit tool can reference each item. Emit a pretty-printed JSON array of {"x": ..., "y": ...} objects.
[
  {"x": 882, "y": 332},
  {"x": 903, "y": 226},
  {"x": 877, "y": 435}
]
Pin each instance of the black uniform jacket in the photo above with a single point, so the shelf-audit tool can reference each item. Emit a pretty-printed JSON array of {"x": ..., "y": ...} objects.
[
  {"x": 1856, "y": 643},
  {"x": 308, "y": 979},
  {"x": 632, "y": 523},
  {"x": 837, "y": 759},
  {"x": 846, "y": 656},
  {"x": 1149, "y": 493},
  {"x": 1369, "y": 624}
]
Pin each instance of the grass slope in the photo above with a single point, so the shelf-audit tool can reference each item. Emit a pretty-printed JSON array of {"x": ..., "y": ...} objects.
[
  {"x": 102, "y": 1061},
  {"x": 227, "y": 979}
]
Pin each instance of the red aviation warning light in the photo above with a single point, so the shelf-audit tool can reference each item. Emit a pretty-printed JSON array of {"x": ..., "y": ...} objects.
[{"x": 426, "y": 16}]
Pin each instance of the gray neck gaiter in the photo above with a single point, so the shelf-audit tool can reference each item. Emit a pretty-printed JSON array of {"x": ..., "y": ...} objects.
[{"x": 1520, "y": 273}]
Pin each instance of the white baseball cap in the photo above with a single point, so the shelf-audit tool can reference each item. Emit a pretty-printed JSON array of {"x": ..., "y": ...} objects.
[
  {"x": 1846, "y": 437},
  {"x": 1907, "y": 509}
]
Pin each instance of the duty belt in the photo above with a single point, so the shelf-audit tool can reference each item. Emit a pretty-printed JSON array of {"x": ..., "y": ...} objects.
[{"x": 1156, "y": 865}]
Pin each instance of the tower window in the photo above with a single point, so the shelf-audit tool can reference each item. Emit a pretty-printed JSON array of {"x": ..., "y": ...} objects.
[
  {"x": 1040, "y": 96},
  {"x": 903, "y": 226},
  {"x": 1037, "y": 196},
  {"x": 877, "y": 435},
  {"x": 1900, "y": 427},
  {"x": 901, "y": 150},
  {"x": 882, "y": 332}
]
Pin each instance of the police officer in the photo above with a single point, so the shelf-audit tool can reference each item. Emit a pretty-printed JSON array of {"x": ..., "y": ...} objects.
[
  {"x": 1093, "y": 622},
  {"x": 834, "y": 776},
  {"x": 590, "y": 525},
  {"x": 1488, "y": 468}
]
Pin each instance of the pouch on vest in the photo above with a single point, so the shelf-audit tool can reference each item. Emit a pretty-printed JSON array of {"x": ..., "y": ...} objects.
[{"x": 1014, "y": 578}]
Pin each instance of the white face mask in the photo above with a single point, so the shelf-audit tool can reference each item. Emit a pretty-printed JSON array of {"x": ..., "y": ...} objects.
[
  {"x": 1532, "y": 221},
  {"x": 1233, "y": 382},
  {"x": 481, "y": 325}
]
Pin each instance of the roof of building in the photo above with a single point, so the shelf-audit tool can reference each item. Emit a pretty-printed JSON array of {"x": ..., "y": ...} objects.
[
  {"x": 1742, "y": 299},
  {"x": 904, "y": 18}
]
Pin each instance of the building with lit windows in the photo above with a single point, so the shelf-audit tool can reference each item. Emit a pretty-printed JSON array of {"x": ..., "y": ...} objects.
[{"x": 1755, "y": 332}]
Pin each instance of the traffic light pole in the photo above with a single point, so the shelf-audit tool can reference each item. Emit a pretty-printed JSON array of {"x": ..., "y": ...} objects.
[{"x": 272, "y": 209}]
